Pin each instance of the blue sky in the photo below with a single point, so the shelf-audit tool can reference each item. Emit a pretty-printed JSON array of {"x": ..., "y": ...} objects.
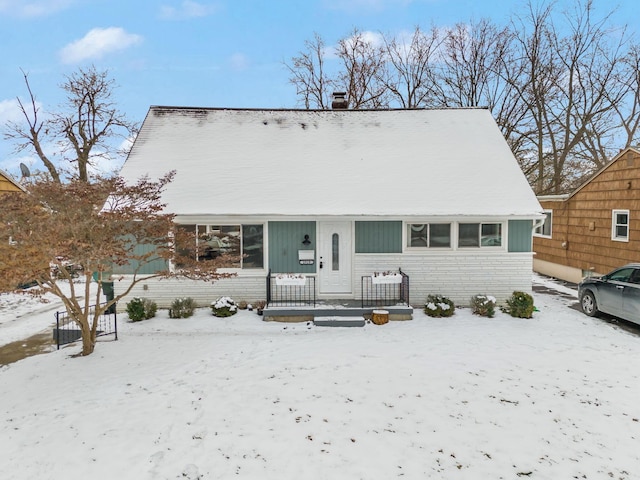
[{"x": 210, "y": 53}]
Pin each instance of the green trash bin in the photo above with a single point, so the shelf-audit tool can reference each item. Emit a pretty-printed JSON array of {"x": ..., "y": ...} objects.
[{"x": 107, "y": 289}]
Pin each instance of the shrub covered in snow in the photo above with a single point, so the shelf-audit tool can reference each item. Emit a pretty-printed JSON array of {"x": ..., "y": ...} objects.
[
  {"x": 439, "y": 306},
  {"x": 224, "y": 307},
  {"x": 182, "y": 308},
  {"x": 519, "y": 305},
  {"x": 141, "y": 309},
  {"x": 483, "y": 305}
]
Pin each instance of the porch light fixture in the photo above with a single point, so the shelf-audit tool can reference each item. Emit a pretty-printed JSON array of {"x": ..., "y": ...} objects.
[{"x": 306, "y": 240}]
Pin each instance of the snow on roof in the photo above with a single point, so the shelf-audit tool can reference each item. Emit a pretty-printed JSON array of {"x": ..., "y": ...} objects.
[{"x": 331, "y": 162}]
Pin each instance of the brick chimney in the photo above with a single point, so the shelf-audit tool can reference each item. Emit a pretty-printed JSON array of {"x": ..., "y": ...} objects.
[{"x": 339, "y": 101}]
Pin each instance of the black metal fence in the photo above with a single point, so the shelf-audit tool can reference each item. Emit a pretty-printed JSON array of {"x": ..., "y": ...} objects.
[
  {"x": 281, "y": 293},
  {"x": 67, "y": 331},
  {"x": 385, "y": 293}
]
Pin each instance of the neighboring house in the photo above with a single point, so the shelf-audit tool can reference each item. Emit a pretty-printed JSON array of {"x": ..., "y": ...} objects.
[
  {"x": 338, "y": 195},
  {"x": 8, "y": 184},
  {"x": 594, "y": 229}
]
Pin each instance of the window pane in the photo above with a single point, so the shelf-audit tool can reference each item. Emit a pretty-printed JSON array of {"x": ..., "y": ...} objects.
[
  {"x": 417, "y": 235},
  {"x": 620, "y": 225},
  {"x": 335, "y": 252},
  {"x": 468, "y": 235},
  {"x": 440, "y": 235},
  {"x": 491, "y": 235},
  {"x": 252, "y": 248},
  {"x": 206, "y": 250},
  {"x": 546, "y": 228},
  {"x": 621, "y": 231},
  {"x": 224, "y": 240},
  {"x": 185, "y": 238}
]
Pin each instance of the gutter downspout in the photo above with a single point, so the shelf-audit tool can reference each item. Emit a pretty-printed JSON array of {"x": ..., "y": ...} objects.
[{"x": 538, "y": 223}]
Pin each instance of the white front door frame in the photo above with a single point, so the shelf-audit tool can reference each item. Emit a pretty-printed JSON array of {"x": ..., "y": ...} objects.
[{"x": 335, "y": 258}]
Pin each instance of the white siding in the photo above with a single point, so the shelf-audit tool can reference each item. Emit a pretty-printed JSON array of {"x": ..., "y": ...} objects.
[
  {"x": 164, "y": 292},
  {"x": 458, "y": 275}
]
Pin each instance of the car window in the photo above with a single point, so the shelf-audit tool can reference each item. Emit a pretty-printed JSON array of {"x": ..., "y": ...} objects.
[
  {"x": 621, "y": 275},
  {"x": 635, "y": 277}
]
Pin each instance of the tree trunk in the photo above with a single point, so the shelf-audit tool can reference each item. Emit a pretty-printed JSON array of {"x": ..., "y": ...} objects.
[
  {"x": 88, "y": 334},
  {"x": 88, "y": 341}
]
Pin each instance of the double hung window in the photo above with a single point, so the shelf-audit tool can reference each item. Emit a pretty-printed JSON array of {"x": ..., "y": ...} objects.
[{"x": 620, "y": 225}]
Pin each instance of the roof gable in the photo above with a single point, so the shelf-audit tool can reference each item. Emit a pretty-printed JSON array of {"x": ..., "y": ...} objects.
[
  {"x": 331, "y": 162},
  {"x": 8, "y": 184},
  {"x": 626, "y": 153}
]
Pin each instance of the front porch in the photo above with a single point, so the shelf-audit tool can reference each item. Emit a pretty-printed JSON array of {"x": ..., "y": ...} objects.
[{"x": 295, "y": 299}]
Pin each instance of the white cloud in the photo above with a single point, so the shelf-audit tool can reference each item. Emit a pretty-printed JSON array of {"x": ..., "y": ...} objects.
[
  {"x": 10, "y": 111},
  {"x": 187, "y": 9},
  {"x": 31, "y": 8},
  {"x": 105, "y": 165},
  {"x": 239, "y": 61},
  {"x": 97, "y": 43},
  {"x": 374, "y": 38}
]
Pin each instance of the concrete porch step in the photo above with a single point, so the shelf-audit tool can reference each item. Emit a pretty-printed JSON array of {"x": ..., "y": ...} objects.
[
  {"x": 334, "y": 321},
  {"x": 334, "y": 312},
  {"x": 306, "y": 314}
]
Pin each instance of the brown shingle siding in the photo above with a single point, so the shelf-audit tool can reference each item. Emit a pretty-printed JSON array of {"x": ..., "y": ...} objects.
[{"x": 616, "y": 187}]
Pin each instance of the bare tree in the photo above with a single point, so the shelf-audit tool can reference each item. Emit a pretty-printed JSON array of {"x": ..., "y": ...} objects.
[
  {"x": 82, "y": 131},
  {"x": 627, "y": 110},
  {"x": 363, "y": 66},
  {"x": 534, "y": 78},
  {"x": 472, "y": 60},
  {"x": 590, "y": 61},
  {"x": 570, "y": 84},
  {"x": 308, "y": 73},
  {"x": 31, "y": 135},
  {"x": 410, "y": 74},
  {"x": 98, "y": 227}
]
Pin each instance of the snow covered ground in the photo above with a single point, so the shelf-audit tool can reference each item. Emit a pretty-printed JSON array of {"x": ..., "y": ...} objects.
[{"x": 553, "y": 397}]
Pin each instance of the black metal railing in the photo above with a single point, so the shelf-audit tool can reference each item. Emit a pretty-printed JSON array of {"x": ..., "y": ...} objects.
[
  {"x": 286, "y": 295},
  {"x": 385, "y": 293},
  {"x": 67, "y": 331}
]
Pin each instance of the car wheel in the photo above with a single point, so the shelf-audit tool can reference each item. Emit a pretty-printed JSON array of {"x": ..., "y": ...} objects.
[{"x": 589, "y": 304}]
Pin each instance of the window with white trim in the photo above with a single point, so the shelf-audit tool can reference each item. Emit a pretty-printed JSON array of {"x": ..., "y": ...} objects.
[
  {"x": 620, "y": 225},
  {"x": 429, "y": 235},
  {"x": 544, "y": 230},
  {"x": 479, "y": 235}
]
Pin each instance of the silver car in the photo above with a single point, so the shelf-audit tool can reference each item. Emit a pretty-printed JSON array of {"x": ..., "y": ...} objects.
[{"x": 616, "y": 293}]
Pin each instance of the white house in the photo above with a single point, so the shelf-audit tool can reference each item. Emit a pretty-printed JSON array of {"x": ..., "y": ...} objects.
[{"x": 338, "y": 195}]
